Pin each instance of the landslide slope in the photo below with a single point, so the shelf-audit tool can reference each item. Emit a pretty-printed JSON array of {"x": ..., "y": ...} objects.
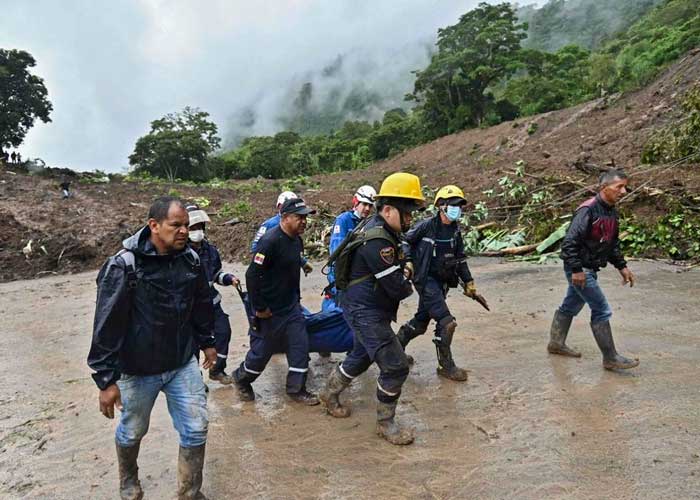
[{"x": 564, "y": 149}]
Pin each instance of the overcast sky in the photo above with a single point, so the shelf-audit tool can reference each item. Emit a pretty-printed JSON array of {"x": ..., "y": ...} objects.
[{"x": 112, "y": 67}]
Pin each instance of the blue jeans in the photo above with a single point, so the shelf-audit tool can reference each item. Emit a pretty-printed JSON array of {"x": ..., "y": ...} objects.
[
  {"x": 591, "y": 294},
  {"x": 187, "y": 405}
]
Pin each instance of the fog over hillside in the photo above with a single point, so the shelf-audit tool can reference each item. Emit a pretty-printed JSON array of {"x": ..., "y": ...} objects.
[{"x": 113, "y": 67}]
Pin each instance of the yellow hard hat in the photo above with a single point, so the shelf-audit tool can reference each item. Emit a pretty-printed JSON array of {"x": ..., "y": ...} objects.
[
  {"x": 450, "y": 191},
  {"x": 402, "y": 185}
]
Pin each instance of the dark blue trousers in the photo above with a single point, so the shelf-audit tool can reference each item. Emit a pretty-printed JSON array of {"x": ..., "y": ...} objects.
[
  {"x": 375, "y": 342},
  {"x": 286, "y": 333},
  {"x": 222, "y": 331},
  {"x": 432, "y": 303}
]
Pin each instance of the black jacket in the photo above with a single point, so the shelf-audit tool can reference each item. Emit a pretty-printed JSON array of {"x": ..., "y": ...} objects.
[
  {"x": 592, "y": 238},
  {"x": 152, "y": 322},
  {"x": 273, "y": 275},
  {"x": 387, "y": 286},
  {"x": 419, "y": 246}
]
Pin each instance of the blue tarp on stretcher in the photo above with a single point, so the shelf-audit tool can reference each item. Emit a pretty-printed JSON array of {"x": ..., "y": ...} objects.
[{"x": 328, "y": 331}]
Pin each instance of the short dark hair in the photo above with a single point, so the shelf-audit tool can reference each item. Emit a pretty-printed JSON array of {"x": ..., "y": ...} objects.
[
  {"x": 610, "y": 175},
  {"x": 161, "y": 206},
  {"x": 401, "y": 204}
]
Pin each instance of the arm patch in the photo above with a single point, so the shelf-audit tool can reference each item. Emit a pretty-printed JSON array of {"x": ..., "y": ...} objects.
[
  {"x": 259, "y": 258},
  {"x": 388, "y": 254}
]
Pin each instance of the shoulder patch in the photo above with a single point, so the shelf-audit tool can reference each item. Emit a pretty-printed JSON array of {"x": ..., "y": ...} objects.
[
  {"x": 259, "y": 258},
  {"x": 336, "y": 229},
  {"x": 387, "y": 254}
]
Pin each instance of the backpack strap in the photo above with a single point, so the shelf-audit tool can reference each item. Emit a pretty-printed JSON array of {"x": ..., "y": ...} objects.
[
  {"x": 376, "y": 233},
  {"x": 130, "y": 260}
]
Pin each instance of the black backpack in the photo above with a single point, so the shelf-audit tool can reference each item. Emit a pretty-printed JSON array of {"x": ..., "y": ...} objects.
[{"x": 341, "y": 258}]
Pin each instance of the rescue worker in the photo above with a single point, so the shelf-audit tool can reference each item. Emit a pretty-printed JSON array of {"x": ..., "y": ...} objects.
[
  {"x": 272, "y": 280},
  {"x": 153, "y": 310},
  {"x": 591, "y": 241},
  {"x": 436, "y": 249},
  {"x": 378, "y": 283},
  {"x": 211, "y": 262},
  {"x": 362, "y": 203},
  {"x": 273, "y": 222},
  {"x": 65, "y": 188}
]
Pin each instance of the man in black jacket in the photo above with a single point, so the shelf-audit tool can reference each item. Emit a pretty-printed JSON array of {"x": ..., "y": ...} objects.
[
  {"x": 153, "y": 310},
  {"x": 437, "y": 251},
  {"x": 272, "y": 280},
  {"x": 377, "y": 284},
  {"x": 590, "y": 243}
]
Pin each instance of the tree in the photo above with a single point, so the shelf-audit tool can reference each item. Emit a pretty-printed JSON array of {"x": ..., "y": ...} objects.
[
  {"x": 477, "y": 52},
  {"x": 177, "y": 147},
  {"x": 23, "y": 97}
]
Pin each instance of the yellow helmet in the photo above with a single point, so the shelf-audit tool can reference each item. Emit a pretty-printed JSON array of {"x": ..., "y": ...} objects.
[
  {"x": 450, "y": 191},
  {"x": 402, "y": 185}
]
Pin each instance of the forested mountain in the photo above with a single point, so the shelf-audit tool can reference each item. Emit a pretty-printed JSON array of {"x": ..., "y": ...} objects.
[{"x": 586, "y": 23}]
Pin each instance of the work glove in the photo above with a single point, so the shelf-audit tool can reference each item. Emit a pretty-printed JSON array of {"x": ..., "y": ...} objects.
[
  {"x": 470, "y": 289},
  {"x": 408, "y": 270},
  {"x": 307, "y": 269}
]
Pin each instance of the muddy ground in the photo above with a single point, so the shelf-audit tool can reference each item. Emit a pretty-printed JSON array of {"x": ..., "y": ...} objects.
[{"x": 526, "y": 425}]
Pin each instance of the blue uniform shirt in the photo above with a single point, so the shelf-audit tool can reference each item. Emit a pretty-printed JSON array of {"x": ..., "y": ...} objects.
[
  {"x": 268, "y": 224},
  {"x": 344, "y": 224}
]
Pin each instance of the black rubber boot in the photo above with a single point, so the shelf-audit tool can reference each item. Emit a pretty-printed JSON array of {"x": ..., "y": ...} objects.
[
  {"x": 129, "y": 485},
  {"x": 409, "y": 331},
  {"x": 330, "y": 395},
  {"x": 304, "y": 397},
  {"x": 245, "y": 389},
  {"x": 443, "y": 340},
  {"x": 388, "y": 428},
  {"x": 190, "y": 463},
  {"x": 218, "y": 372},
  {"x": 611, "y": 359},
  {"x": 557, "y": 336}
]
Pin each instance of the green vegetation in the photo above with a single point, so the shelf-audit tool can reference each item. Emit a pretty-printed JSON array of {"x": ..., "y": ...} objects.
[
  {"x": 676, "y": 236},
  {"x": 23, "y": 97},
  {"x": 678, "y": 140},
  {"x": 483, "y": 71},
  {"x": 177, "y": 147},
  {"x": 586, "y": 23}
]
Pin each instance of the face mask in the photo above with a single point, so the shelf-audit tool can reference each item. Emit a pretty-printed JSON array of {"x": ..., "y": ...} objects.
[
  {"x": 196, "y": 236},
  {"x": 453, "y": 213}
]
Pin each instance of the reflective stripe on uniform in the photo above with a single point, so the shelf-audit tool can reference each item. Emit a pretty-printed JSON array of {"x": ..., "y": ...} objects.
[
  {"x": 298, "y": 370},
  {"x": 385, "y": 391},
  {"x": 387, "y": 272},
  {"x": 340, "y": 367},
  {"x": 249, "y": 370},
  {"x": 222, "y": 356},
  {"x": 429, "y": 240}
]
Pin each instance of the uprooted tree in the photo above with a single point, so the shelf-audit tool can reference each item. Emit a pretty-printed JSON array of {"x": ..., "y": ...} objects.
[
  {"x": 177, "y": 147},
  {"x": 23, "y": 97}
]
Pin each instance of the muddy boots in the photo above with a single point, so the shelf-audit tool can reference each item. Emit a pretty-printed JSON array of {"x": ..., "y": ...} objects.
[
  {"x": 243, "y": 386},
  {"x": 129, "y": 485},
  {"x": 190, "y": 463},
  {"x": 330, "y": 394},
  {"x": 408, "y": 332},
  {"x": 557, "y": 336},
  {"x": 611, "y": 359},
  {"x": 443, "y": 340},
  {"x": 388, "y": 428},
  {"x": 218, "y": 372}
]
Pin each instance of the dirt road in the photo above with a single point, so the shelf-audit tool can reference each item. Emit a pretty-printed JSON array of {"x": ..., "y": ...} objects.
[{"x": 526, "y": 425}]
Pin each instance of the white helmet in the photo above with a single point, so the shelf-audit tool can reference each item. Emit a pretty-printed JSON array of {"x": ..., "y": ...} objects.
[
  {"x": 197, "y": 215},
  {"x": 364, "y": 194},
  {"x": 284, "y": 196}
]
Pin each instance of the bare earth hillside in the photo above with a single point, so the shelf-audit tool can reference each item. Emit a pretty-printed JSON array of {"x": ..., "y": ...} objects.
[{"x": 564, "y": 149}]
